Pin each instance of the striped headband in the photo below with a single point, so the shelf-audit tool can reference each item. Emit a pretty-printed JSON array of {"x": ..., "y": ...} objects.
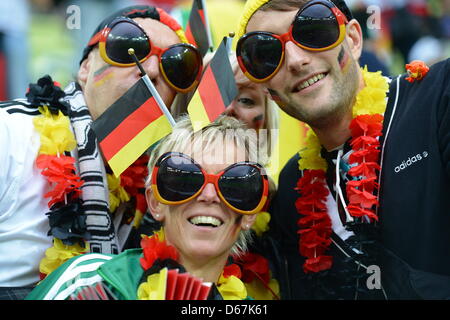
[
  {"x": 138, "y": 11},
  {"x": 251, "y": 6}
]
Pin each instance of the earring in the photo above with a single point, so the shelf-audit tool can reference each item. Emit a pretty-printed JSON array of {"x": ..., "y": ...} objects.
[
  {"x": 157, "y": 216},
  {"x": 247, "y": 226}
]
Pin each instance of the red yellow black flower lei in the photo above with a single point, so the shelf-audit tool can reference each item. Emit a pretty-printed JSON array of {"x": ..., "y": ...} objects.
[
  {"x": 66, "y": 219},
  {"x": 66, "y": 216},
  {"x": 249, "y": 275},
  {"x": 366, "y": 128}
]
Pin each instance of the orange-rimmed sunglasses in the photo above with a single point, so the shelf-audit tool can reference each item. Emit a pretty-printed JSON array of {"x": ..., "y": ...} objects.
[
  {"x": 317, "y": 26},
  {"x": 180, "y": 64},
  {"x": 177, "y": 179}
]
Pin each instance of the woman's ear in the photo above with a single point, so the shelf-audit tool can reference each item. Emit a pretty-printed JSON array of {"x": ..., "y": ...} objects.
[
  {"x": 247, "y": 221},
  {"x": 355, "y": 38},
  {"x": 154, "y": 206}
]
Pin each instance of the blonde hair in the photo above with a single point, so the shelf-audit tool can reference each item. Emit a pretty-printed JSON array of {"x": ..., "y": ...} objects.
[{"x": 228, "y": 129}]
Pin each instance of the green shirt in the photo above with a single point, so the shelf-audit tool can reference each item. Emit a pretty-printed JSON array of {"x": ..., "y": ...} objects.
[{"x": 121, "y": 273}]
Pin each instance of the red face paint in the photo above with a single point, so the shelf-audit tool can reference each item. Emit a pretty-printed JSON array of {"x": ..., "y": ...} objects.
[
  {"x": 275, "y": 97},
  {"x": 258, "y": 122}
]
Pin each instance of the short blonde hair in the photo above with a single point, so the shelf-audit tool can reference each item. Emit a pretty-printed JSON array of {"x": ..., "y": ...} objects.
[{"x": 183, "y": 136}]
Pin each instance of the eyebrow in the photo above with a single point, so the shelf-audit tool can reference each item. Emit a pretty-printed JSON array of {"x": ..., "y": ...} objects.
[{"x": 246, "y": 84}]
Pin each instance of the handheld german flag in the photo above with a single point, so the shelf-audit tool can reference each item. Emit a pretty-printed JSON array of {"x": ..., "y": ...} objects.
[
  {"x": 197, "y": 28},
  {"x": 130, "y": 126},
  {"x": 216, "y": 90}
]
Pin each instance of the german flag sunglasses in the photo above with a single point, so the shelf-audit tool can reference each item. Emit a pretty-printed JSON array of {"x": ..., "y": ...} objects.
[
  {"x": 177, "y": 179},
  {"x": 180, "y": 64},
  {"x": 317, "y": 26}
]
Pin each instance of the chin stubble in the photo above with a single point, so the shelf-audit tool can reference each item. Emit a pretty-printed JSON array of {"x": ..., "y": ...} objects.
[{"x": 342, "y": 97}]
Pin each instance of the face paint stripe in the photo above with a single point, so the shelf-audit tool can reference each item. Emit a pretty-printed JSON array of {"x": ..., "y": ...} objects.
[
  {"x": 258, "y": 121},
  {"x": 96, "y": 73},
  {"x": 102, "y": 73},
  {"x": 275, "y": 97},
  {"x": 259, "y": 117},
  {"x": 343, "y": 58}
]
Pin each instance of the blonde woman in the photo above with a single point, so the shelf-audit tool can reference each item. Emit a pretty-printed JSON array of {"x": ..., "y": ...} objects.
[{"x": 205, "y": 188}]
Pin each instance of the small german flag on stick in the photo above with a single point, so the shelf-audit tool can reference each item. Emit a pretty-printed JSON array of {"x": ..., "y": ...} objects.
[
  {"x": 216, "y": 90},
  {"x": 197, "y": 29},
  {"x": 131, "y": 125}
]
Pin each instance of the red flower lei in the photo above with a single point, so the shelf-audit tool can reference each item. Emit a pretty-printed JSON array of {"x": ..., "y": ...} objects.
[
  {"x": 153, "y": 249},
  {"x": 315, "y": 223},
  {"x": 60, "y": 172},
  {"x": 246, "y": 268},
  {"x": 133, "y": 181}
]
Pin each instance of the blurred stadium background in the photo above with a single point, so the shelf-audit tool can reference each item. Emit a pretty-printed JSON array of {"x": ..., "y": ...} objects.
[{"x": 40, "y": 37}]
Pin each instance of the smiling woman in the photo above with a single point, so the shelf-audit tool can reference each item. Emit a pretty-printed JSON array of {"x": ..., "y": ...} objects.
[
  {"x": 205, "y": 188},
  {"x": 205, "y": 191}
]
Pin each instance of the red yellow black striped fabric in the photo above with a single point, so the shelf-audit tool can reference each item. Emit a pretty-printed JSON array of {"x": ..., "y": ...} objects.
[
  {"x": 129, "y": 127},
  {"x": 196, "y": 28},
  {"x": 216, "y": 90}
]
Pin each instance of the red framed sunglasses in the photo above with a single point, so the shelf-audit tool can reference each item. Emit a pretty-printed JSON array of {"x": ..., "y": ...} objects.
[
  {"x": 180, "y": 64},
  {"x": 317, "y": 26},
  {"x": 177, "y": 179}
]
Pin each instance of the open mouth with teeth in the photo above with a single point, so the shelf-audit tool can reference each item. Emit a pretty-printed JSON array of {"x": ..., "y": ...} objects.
[
  {"x": 307, "y": 83},
  {"x": 205, "y": 221}
]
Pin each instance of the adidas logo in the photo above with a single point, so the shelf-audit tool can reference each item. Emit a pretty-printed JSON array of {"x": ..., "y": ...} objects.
[{"x": 411, "y": 160}]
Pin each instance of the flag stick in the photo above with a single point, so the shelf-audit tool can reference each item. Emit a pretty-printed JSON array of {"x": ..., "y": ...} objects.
[
  {"x": 229, "y": 43},
  {"x": 208, "y": 29},
  {"x": 152, "y": 88}
]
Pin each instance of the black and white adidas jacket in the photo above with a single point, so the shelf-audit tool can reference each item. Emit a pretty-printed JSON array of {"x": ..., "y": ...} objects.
[{"x": 414, "y": 210}]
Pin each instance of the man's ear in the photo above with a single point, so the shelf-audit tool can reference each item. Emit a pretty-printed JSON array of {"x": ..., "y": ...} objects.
[
  {"x": 154, "y": 206},
  {"x": 85, "y": 67},
  {"x": 247, "y": 221},
  {"x": 354, "y": 38},
  {"x": 83, "y": 71}
]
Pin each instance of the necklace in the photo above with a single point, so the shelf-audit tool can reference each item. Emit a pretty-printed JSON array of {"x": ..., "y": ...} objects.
[
  {"x": 249, "y": 275},
  {"x": 156, "y": 253},
  {"x": 366, "y": 128},
  {"x": 66, "y": 216},
  {"x": 129, "y": 188}
]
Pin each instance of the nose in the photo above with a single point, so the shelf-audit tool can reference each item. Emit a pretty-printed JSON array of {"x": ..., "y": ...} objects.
[
  {"x": 209, "y": 194},
  {"x": 231, "y": 109},
  {"x": 151, "y": 67},
  {"x": 296, "y": 58}
]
